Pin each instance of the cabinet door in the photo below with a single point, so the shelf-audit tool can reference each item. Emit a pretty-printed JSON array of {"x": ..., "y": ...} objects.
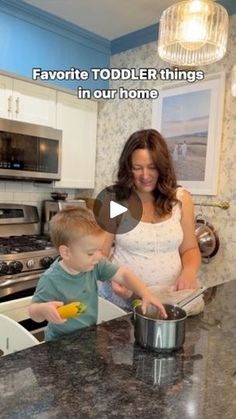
[
  {"x": 6, "y": 97},
  {"x": 34, "y": 104},
  {"x": 78, "y": 120}
]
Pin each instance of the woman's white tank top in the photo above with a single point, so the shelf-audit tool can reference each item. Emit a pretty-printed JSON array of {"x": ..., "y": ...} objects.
[{"x": 152, "y": 250}]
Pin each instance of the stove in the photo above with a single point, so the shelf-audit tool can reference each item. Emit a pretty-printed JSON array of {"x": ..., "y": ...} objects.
[
  {"x": 24, "y": 252},
  {"x": 23, "y": 244}
]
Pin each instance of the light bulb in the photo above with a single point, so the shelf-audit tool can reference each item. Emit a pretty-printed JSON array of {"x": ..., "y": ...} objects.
[
  {"x": 198, "y": 6},
  {"x": 193, "y": 30},
  {"x": 193, "y": 34}
]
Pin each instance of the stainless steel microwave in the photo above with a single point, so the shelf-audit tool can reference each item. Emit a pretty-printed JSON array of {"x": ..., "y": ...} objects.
[{"x": 29, "y": 151}]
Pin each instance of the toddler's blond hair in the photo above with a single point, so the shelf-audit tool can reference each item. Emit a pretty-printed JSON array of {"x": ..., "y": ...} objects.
[{"x": 72, "y": 223}]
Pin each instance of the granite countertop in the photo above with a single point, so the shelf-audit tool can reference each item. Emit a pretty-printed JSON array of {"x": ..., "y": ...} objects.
[{"x": 100, "y": 372}]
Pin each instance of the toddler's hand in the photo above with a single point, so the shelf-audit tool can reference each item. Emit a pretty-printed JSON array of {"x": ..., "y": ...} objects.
[
  {"x": 121, "y": 290},
  {"x": 50, "y": 313},
  {"x": 149, "y": 298}
]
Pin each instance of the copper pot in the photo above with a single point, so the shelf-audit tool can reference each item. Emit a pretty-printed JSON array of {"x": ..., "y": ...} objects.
[{"x": 207, "y": 237}]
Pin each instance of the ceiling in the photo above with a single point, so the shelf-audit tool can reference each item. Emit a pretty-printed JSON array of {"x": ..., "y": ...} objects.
[
  {"x": 108, "y": 18},
  {"x": 112, "y": 19}
]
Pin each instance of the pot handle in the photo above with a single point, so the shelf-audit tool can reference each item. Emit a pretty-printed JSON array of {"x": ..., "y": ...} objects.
[
  {"x": 191, "y": 297},
  {"x": 200, "y": 217}
]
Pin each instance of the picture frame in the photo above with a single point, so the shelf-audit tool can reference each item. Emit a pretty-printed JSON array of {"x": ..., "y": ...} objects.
[{"x": 190, "y": 118}]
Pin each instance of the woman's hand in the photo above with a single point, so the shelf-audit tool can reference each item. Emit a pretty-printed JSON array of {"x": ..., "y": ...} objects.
[
  {"x": 149, "y": 298},
  {"x": 121, "y": 290},
  {"x": 186, "y": 280}
]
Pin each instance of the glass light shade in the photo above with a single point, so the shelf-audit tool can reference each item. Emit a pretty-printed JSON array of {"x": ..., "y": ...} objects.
[{"x": 193, "y": 33}]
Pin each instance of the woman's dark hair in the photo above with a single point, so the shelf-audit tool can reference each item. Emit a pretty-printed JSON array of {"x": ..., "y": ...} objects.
[{"x": 165, "y": 191}]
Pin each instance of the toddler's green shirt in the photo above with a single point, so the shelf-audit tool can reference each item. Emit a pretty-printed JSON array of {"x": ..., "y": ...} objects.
[{"x": 56, "y": 284}]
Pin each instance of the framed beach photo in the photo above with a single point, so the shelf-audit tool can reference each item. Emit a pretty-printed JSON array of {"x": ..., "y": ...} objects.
[{"x": 189, "y": 116}]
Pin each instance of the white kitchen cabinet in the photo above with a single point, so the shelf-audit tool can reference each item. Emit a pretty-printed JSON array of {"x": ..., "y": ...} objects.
[
  {"x": 78, "y": 120},
  {"x": 27, "y": 102},
  {"x": 6, "y": 97}
]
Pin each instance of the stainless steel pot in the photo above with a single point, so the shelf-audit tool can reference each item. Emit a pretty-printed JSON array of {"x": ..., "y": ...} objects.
[{"x": 153, "y": 332}]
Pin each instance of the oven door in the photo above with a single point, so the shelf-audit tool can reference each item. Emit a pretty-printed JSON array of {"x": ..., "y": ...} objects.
[
  {"x": 15, "y": 293},
  {"x": 10, "y": 285}
]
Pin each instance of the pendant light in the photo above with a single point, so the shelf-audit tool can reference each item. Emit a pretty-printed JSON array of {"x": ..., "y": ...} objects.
[
  {"x": 233, "y": 81},
  {"x": 193, "y": 33}
]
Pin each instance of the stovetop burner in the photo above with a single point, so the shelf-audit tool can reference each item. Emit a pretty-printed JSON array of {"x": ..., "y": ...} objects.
[
  {"x": 24, "y": 243},
  {"x": 24, "y": 254}
]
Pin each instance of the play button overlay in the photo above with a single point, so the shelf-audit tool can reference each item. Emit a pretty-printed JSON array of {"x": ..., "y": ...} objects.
[{"x": 117, "y": 210}]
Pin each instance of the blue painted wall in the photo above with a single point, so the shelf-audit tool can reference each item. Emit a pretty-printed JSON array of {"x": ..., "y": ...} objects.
[{"x": 31, "y": 38}]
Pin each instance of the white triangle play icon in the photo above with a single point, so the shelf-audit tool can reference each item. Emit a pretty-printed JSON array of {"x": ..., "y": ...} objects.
[{"x": 116, "y": 209}]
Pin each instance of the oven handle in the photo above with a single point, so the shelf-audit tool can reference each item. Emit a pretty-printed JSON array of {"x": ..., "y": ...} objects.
[{"x": 18, "y": 280}]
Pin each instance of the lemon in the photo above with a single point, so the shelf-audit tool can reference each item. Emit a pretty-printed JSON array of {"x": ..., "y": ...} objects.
[{"x": 136, "y": 302}]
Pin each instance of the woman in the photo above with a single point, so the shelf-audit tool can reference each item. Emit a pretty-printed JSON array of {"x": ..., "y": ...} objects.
[{"x": 162, "y": 248}]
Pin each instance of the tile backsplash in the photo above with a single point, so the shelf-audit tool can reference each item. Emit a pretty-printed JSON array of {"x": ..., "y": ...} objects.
[{"x": 28, "y": 193}]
